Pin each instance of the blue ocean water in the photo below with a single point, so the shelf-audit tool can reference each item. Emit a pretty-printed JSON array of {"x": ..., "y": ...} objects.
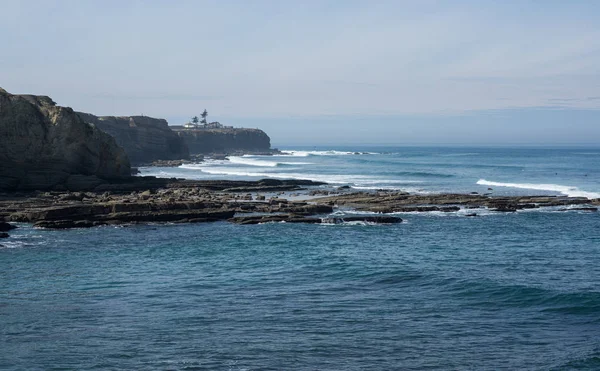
[
  {"x": 509, "y": 171},
  {"x": 438, "y": 291}
]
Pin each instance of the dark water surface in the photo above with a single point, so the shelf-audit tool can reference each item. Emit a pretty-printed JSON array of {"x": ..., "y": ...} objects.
[{"x": 516, "y": 291}]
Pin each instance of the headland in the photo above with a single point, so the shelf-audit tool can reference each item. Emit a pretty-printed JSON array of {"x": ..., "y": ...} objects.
[{"x": 66, "y": 169}]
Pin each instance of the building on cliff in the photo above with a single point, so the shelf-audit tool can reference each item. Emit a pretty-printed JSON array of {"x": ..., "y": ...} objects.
[{"x": 202, "y": 137}]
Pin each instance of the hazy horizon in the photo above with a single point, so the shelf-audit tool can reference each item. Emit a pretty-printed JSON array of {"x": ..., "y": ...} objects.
[{"x": 321, "y": 72}]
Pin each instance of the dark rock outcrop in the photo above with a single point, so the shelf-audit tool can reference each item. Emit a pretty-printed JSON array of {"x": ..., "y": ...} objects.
[
  {"x": 280, "y": 218},
  {"x": 45, "y": 146},
  {"x": 226, "y": 140},
  {"x": 145, "y": 139},
  {"x": 5, "y": 227},
  {"x": 363, "y": 219},
  {"x": 390, "y": 202},
  {"x": 149, "y": 199}
]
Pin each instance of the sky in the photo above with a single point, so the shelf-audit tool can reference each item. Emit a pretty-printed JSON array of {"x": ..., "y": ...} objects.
[{"x": 321, "y": 72}]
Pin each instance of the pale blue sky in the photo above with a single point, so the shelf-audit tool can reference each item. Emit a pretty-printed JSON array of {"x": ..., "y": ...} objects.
[{"x": 321, "y": 72}]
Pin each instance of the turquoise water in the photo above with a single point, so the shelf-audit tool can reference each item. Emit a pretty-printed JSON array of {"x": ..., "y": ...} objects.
[{"x": 439, "y": 291}]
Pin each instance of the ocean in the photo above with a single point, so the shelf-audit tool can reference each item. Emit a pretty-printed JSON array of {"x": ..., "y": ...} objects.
[
  {"x": 439, "y": 291},
  {"x": 509, "y": 171}
]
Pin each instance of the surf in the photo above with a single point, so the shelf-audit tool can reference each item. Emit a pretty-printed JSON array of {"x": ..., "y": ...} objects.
[
  {"x": 562, "y": 189},
  {"x": 323, "y": 153}
]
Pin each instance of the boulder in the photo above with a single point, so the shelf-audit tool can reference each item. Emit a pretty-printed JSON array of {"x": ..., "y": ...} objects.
[{"x": 43, "y": 145}]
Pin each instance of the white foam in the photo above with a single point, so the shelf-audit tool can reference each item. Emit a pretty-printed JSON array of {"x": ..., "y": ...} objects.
[
  {"x": 459, "y": 154},
  {"x": 251, "y": 161},
  {"x": 565, "y": 190},
  {"x": 280, "y": 162},
  {"x": 395, "y": 188},
  {"x": 295, "y": 153},
  {"x": 359, "y": 180},
  {"x": 323, "y": 153}
]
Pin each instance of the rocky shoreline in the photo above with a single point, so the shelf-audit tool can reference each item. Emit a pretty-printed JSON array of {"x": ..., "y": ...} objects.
[{"x": 149, "y": 199}]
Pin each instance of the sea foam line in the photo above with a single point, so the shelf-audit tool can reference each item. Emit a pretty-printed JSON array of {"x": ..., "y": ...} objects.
[
  {"x": 328, "y": 178},
  {"x": 251, "y": 161},
  {"x": 565, "y": 190},
  {"x": 323, "y": 153}
]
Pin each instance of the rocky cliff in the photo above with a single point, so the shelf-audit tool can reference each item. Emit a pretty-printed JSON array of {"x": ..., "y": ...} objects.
[
  {"x": 44, "y": 146},
  {"x": 145, "y": 139},
  {"x": 226, "y": 140}
]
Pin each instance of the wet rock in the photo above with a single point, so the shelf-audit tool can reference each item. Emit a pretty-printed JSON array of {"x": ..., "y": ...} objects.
[
  {"x": 319, "y": 192},
  {"x": 5, "y": 227},
  {"x": 168, "y": 163},
  {"x": 589, "y": 209},
  {"x": 148, "y": 199},
  {"x": 145, "y": 195},
  {"x": 75, "y": 196},
  {"x": 365, "y": 219},
  {"x": 287, "y": 218},
  {"x": 64, "y": 224},
  {"x": 307, "y": 209},
  {"x": 4, "y": 235},
  {"x": 505, "y": 209}
]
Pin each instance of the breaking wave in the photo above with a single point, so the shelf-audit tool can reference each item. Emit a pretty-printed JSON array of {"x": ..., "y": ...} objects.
[
  {"x": 251, "y": 162},
  {"x": 323, "y": 153},
  {"x": 327, "y": 178},
  {"x": 565, "y": 190}
]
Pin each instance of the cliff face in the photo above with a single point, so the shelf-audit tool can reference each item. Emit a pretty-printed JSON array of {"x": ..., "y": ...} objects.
[
  {"x": 226, "y": 140},
  {"x": 145, "y": 139},
  {"x": 44, "y": 146}
]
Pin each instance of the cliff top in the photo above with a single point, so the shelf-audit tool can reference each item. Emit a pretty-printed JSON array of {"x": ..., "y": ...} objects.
[
  {"x": 180, "y": 128},
  {"x": 39, "y": 100},
  {"x": 130, "y": 121}
]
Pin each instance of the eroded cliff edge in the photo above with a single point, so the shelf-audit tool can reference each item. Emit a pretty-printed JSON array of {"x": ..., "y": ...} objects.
[
  {"x": 225, "y": 140},
  {"x": 45, "y": 146},
  {"x": 145, "y": 139}
]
